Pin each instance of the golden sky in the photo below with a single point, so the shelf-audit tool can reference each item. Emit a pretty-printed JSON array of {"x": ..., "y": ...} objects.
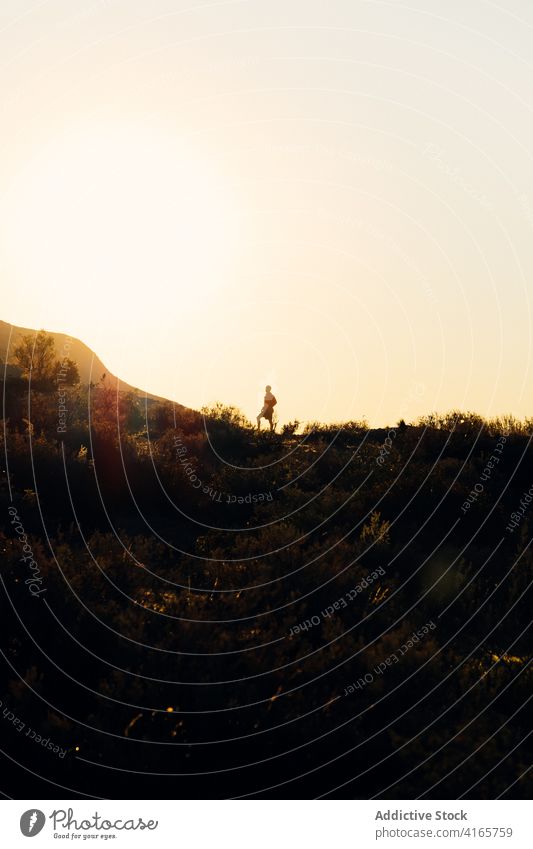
[{"x": 335, "y": 198}]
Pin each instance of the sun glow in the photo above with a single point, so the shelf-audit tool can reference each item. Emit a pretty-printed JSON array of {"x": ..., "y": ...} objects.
[
  {"x": 117, "y": 220},
  {"x": 211, "y": 211}
]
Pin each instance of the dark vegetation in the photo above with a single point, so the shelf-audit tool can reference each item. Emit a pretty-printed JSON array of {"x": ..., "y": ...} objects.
[{"x": 162, "y": 644}]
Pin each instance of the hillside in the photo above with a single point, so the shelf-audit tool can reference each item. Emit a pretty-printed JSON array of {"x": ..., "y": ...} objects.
[
  {"x": 206, "y": 612},
  {"x": 91, "y": 367}
]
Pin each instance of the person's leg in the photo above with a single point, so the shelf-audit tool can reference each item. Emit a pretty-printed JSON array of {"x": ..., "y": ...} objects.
[{"x": 262, "y": 414}]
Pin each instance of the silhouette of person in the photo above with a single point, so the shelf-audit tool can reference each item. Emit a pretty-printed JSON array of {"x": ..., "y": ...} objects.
[{"x": 269, "y": 403}]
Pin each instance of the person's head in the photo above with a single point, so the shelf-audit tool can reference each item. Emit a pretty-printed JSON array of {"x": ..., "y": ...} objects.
[{"x": 268, "y": 388}]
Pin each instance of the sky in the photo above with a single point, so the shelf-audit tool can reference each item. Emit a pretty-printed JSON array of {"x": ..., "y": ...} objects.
[{"x": 334, "y": 198}]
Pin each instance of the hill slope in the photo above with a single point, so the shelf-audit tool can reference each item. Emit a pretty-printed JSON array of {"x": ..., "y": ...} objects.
[{"x": 90, "y": 366}]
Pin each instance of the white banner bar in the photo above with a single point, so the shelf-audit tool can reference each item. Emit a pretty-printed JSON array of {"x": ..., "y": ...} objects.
[{"x": 267, "y": 824}]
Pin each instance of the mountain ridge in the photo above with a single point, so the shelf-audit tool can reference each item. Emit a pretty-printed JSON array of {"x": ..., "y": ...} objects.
[{"x": 91, "y": 367}]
